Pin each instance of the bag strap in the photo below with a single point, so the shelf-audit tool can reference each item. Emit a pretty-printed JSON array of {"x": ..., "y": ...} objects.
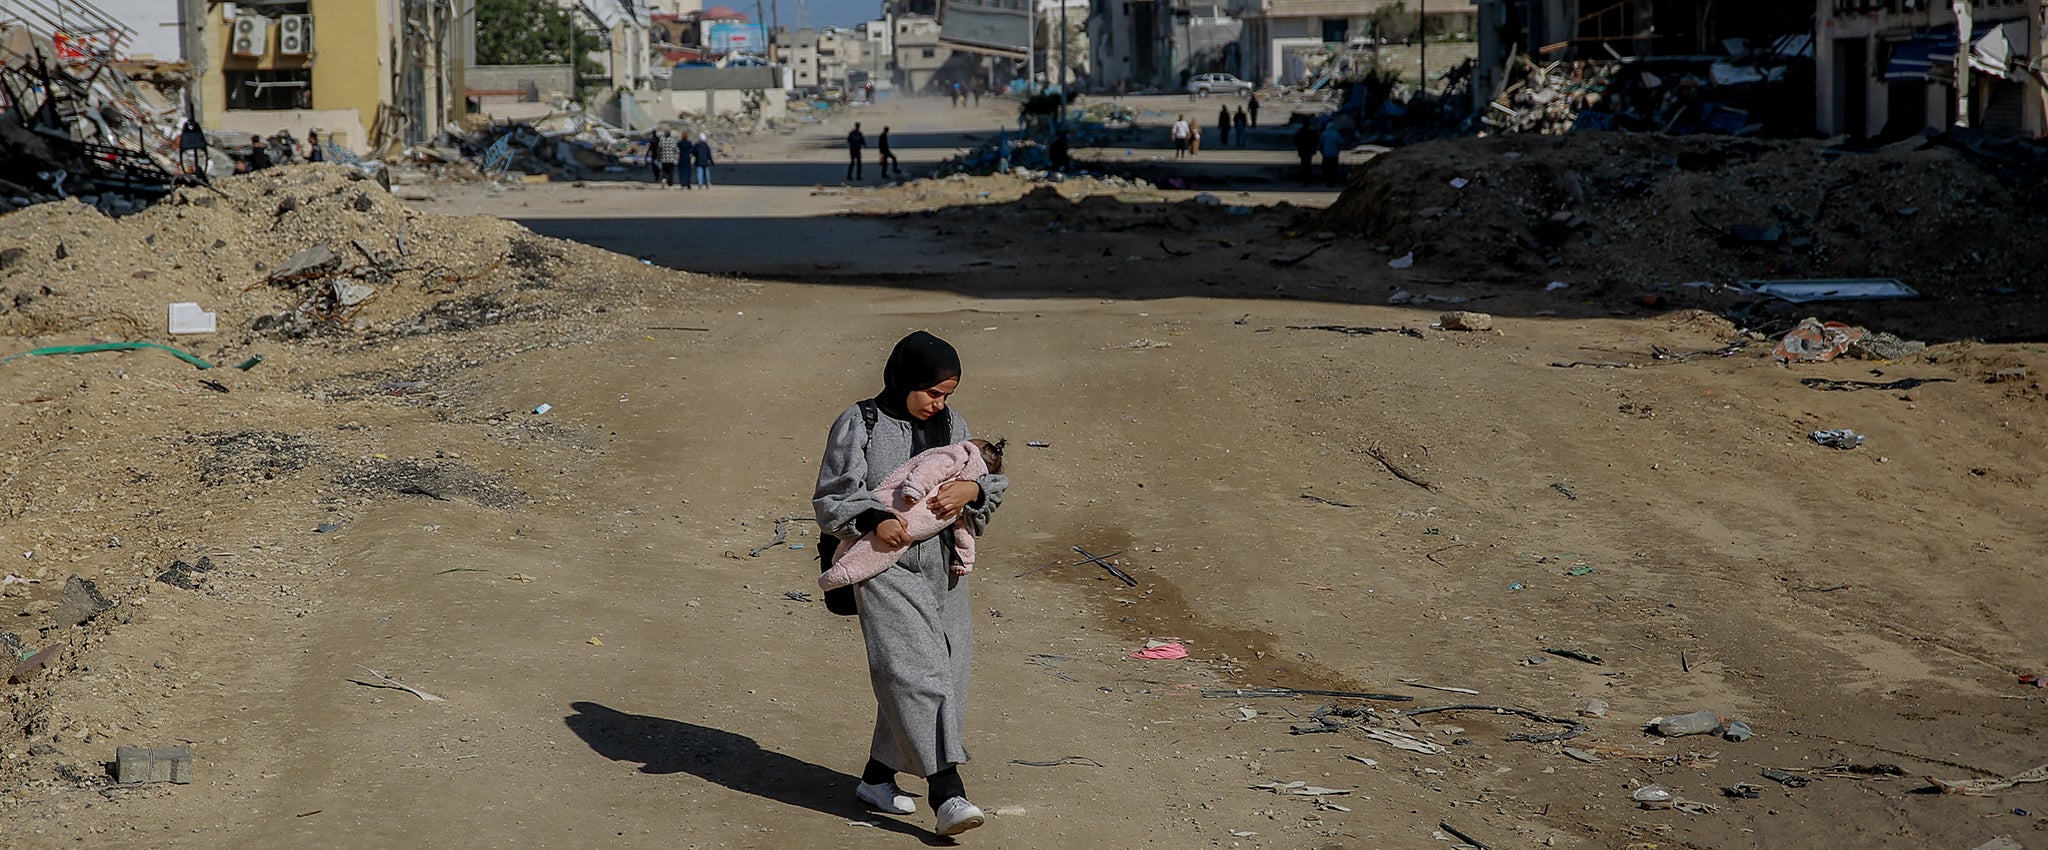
[{"x": 870, "y": 413}]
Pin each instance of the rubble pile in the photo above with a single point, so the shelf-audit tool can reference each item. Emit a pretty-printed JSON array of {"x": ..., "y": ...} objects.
[
  {"x": 309, "y": 251},
  {"x": 79, "y": 127},
  {"x": 1591, "y": 209},
  {"x": 1740, "y": 94}
]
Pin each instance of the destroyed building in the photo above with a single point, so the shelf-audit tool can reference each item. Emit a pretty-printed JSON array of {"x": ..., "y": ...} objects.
[
  {"x": 369, "y": 75},
  {"x": 1890, "y": 70}
]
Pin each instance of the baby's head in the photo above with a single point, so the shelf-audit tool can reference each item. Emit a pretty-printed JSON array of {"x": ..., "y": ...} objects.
[{"x": 991, "y": 454}]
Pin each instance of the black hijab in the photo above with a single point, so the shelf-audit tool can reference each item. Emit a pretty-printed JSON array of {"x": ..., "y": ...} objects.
[{"x": 919, "y": 362}]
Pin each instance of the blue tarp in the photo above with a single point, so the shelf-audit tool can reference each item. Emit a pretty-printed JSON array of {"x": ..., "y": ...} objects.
[{"x": 1915, "y": 58}]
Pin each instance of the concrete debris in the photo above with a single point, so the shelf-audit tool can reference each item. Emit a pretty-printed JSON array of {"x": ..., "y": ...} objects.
[
  {"x": 1677, "y": 95},
  {"x": 1466, "y": 320},
  {"x": 73, "y": 125},
  {"x": 82, "y": 601}
]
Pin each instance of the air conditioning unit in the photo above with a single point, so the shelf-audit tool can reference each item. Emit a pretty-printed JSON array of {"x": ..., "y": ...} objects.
[
  {"x": 295, "y": 35},
  {"x": 251, "y": 36}
]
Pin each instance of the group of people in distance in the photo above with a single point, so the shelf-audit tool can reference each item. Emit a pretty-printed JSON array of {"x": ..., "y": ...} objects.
[
  {"x": 679, "y": 160},
  {"x": 1187, "y": 132}
]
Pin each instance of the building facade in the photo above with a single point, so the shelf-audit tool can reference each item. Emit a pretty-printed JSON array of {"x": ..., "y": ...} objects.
[
  {"x": 1885, "y": 70},
  {"x": 919, "y": 56},
  {"x": 370, "y": 74}
]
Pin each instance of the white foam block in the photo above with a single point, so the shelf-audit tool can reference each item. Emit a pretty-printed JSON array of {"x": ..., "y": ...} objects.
[{"x": 187, "y": 318}]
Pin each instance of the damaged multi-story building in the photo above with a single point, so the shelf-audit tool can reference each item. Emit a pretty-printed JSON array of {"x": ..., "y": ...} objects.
[{"x": 1891, "y": 68}]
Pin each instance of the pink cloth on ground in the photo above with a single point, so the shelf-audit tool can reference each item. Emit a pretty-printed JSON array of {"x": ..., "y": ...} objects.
[{"x": 905, "y": 490}]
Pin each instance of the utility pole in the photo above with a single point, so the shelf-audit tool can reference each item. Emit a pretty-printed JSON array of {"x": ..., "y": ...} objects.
[
  {"x": 1059, "y": 121},
  {"x": 1030, "y": 47},
  {"x": 1964, "y": 25},
  {"x": 1422, "y": 40},
  {"x": 192, "y": 23}
]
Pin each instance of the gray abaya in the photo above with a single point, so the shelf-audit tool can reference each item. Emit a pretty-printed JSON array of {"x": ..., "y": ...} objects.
[{"x": 916, "y": 616}]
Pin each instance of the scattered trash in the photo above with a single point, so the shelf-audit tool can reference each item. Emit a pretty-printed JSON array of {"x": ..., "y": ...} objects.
[
  {"x": 543, "y": 408},
  {"x": 1737, "y": 731},
  {"x": 1474, "y": 842},
  {"x": 594, "y": 641},
  {"x": 1460, "y": 182},
  {"x": 28, "y": 667},
  {"x": 1161, "y": 651},
  {"x": 1252, "y": 693},
  {"x": 184, "y": 575},
  {"x": 1594, "y": 708},
  {"x": 1405, "y": 261},
  {"x": 1987, "y": 787},
  {"x": 2035, "y": 679},
  {"x": 136, "y": 765},
  {"x": 1574, "y": 654},
  {"x": 1651, "y": 794},
  {"x": 1039, "y": 444},
  {"x": 1556, "y": 285},
  {"x": 1104, "y": 562},
  {"x": 1559, "y": 487},
  {"x": 1814, "y": 341},
  {"x": 109, "y": 346},
  {"x": 1404, "y": 741},
  {"x": 1466, "y": 320},
  {"x": 384, "y": 681},
  {"x": 1415, "y": 684},
  {"x": 1878, "y": 345},
  {"x": 185, "y": 317},
  {"x": 1840, "y": 438},
  {"x": 2004, "y": 375},
  {"x": 327, "y": 528},
  {"x": 1403, "y": 296},
  {"x": 1314, "y": 498},
  {"x": 250, "y": 363},
  {"x": 1299, "y": 789},
  {"x": 1696, "y": 723},
  {"x": 1804, "y": 291},
  {"x": 1742, "y": 791},
  {"x": 797, "y": 595},
  {"x": 1851, "y": 386},
  {"x": 781, "y": 534},
  {"x": 1573, "y": 728},
  {"x": 1579, "y": 570},
  {"x": 2003, "y": 842},
  {"x": 1582, "y": 755},
  {"x": 1788, "y": 780},
  {"x": 1076, "y": 760}
]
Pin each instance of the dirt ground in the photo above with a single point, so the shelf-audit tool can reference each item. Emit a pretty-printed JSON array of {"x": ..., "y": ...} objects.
[{"x": 1226, "y": 396}]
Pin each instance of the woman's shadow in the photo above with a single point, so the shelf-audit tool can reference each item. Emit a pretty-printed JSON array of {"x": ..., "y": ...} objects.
[{"x": 665, "y": 746}]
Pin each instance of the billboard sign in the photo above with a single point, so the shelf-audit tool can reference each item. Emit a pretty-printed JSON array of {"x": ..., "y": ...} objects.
[
  {"x": 734, "y": 37},
  {"x": 996, "y": 24}
]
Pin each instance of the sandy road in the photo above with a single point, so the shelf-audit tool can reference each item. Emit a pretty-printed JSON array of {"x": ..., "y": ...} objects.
[{"x": 619, "y": 671}]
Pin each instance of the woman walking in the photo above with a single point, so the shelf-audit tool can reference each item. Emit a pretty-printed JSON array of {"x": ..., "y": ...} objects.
[{"x": 915, "y": 617}]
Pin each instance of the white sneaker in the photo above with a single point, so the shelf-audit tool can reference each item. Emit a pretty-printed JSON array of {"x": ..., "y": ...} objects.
[
  {"x": 957, "y": 816},
  {"x": 885, "y": 797}
]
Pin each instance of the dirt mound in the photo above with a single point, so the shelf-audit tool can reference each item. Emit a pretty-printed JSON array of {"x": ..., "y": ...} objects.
[
  {"x": 1593, "y": 208},
  {"x": 389, "y": 270}
]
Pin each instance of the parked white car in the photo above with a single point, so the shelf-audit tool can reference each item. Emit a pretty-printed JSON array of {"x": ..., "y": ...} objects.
[{"x": 1203, "y": 85}]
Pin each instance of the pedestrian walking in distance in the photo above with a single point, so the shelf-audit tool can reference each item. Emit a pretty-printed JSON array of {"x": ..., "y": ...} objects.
[
  {"x": 1305, "y": 147},
  {"x": 855, "y": 143},
  {"x": 1223, "y": 127},
  {"x": 885, "y": 157},
  {"x": 669, "y": 150},
  {"x": 686, "y": 161},
  {"x": 1255, "y": 110},
  {"x": 701, "y": 152},
  {"x": 1242, "y": 124},
  {"x": 1180, "y": 136}
]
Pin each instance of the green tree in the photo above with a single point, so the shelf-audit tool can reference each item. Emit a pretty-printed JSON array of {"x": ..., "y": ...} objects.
[{"x": 533, "y": 32}]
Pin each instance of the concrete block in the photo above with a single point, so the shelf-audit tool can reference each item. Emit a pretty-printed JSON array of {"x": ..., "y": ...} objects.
[
  {"x": 153, "y": 764},
  {"x": 82, "y": 601}
]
